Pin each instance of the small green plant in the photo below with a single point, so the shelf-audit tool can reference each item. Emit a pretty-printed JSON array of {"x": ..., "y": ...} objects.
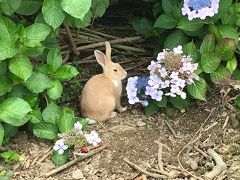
[{"x": 10, "y": 156}]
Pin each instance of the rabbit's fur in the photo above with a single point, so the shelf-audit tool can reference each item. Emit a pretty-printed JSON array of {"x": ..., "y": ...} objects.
[{"x": 101, "y": 94}]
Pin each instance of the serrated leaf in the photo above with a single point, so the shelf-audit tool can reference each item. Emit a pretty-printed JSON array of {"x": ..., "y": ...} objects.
[
  {"x": 143, "y": 26},
  {"x": 76, "y": 8},
  {"x": 99, "y": 7},
  {"x": 166, "y": 21},
  {"x": 224, "y": 6},
  {"x": 52, "y": 113},
  {"x": 174, "y": 39},
  {"x": 66, "y": 122},
  {"x": 75, "y": 22},
  {"x": 192, "y": 25},
  {"x": 237, "y": 102},
  {"x": 53, "y": 13},
  {"x": 21, "y": 67},
  {"x": 59, "y": 159},
  {"x": 151, "y": 108},
  {"x": 54, "y": 59},
  {"x": 13, "y": 111},
  {"x": 1, "y": 134},
  {"x": 208, "y": 44},
  {"x": 10, "y": 6},
  {"x": 7, "y": 50},
  {"x": 191, "y": 49},
  {"x": 210, "y": 62},
  {"x": 221, "y": 75},
  {"x": 55, "y": 92},
  {"x": 29, "y": 7},
  {"x": 167, "y": 6},
  {"x": 45, "y": 130},
  {"x": 35, "y": 116},
  {"x": 36, "y": 33},
  {"x": 162, "y": 103},
  {"x": 228, "y": 31},
  {"x": 5, "y": 85},
  {"x": 9, "y": 130},
  {"x": 38, "y": 82},
  {"x": 232, "y": 64},
  {"x": 65, "y": 73},
  {"x": 179, "y": 103},
  {"x": 236, "y": 74},
  {"x": 3, "y": 67},
  {"x": 7, "y": 30},
  {"x": 198, "y": 89},
  {"x": 226, "y": 49}
]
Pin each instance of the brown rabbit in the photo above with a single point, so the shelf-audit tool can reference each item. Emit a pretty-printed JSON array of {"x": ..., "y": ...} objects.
[{"x": 102, "y": 93}]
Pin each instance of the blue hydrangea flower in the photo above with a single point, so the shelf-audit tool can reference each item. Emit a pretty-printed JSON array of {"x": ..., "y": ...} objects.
[
  {"x": 142, "y": 83},
  {"x": 200, "y": 8}
]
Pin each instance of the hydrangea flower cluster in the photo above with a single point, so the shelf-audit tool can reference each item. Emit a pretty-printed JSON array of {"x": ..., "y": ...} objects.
[
  {"x": 168, "y": 76},
  {"x": 200, "y": 8}
]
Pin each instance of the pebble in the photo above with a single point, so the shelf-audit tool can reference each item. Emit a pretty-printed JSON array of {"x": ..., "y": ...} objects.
[
  {"x": 77, "y": 174},
  {"x": 141, "y": 124}
]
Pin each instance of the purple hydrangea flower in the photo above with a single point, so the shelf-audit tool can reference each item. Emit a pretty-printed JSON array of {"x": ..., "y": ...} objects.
[
  {"x": 200, "y": 8},
  {"x": 93, "y": 138},
  {"x": 154, "y": 81},
  {"x": 59, "y": 146}
]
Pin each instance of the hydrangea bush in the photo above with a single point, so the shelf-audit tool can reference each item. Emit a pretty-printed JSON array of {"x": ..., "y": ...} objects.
[{"x": 204, "y": 34}]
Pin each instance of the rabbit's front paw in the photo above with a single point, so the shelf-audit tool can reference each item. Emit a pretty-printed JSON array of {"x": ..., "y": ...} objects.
[
  {"x": 122, "y": 109},
  {"x": 113, "y": 114}
]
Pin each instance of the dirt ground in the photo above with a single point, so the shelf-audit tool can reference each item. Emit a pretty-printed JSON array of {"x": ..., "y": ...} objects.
[{"x": 133, "y": 135}]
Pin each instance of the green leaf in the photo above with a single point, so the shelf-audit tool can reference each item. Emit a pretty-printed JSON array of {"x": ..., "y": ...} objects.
[
  {"x": 191, "y": 49},
  {"x": 174, "y": 39},
  {"x": 52, "y": 113},
  {"x": 35, "y": 116},
  {"x": 54, "y": 59},
  {"x": 237, "y": 102},
  {"x": 38, "y": 82},
  {"x": 167, "y": 6},
  {"x": 13, "y": 111},
  {"x": 143, "y": 26},
  {"x": 166, "y": 21},
  {"x": 66, "y": 122},
  {"x": 29, "y": 7},
  {"x": 74, "y": 22},
  {"x": 31, "y": 51},
  {"x": 157, "y": 8},
  {"x": 208, "y": 44},
  {"x": 198, "y": 89},
  {"x": 162, "y": 103},
  {"x": 210, "y": 62},
  {"x": 65, "y": 73},
  {"x": 7, "y": 30},
  {"x": 45, "y": 130},
  {"x": 192, "y": 25},
  {"x": 10, "y": 6},
  {"x": 151, "y": 108},
  {"x": 229, "y": 18},
  {"x": 7, "y": 50},
  {"x": 1, "y": 134},
  {"x": 21, "y": 67},
  {"x": 99, "y": 7},
  {"x": 53, "y": 13},
  {"x": 10, "y": 156},
  {"x": 9, "y": 130},
  {"x": 76, "y": 8},
  {"x": 5, "y": 85},
  {"x": 55, "y": 92},
  {"x": 36, "y": 33},
  {"x": 59, "y": 159},
  {"x": 232, "y": 64},
  {"x": 84, "y": 122},
  {"x": 224, "y": 6},
  {"x": 179, "y": 103},
  {"x": 236, "y": 74},
  {"x": 226, "y": 49},
  {"x": 220, "y": 75},
  {"x": 228, "y": 31},
  {"x": 3, "y": 67}
]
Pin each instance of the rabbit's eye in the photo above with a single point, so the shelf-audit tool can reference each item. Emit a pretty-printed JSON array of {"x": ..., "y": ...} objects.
[{"x": 115, "y": 70}]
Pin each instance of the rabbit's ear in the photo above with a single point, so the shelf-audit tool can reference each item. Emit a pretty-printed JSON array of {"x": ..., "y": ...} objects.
[
  {"x": 101, "y": 59},
  {"x": 108, "y": 50}
]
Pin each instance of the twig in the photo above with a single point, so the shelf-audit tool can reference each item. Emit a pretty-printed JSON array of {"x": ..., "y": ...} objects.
[
  {"x": 225, "y": 123},
  {"x": 66, "y": 58},
  {"x": 194, "y": 139},
  {"x": 172, "y": 130},
  {"x": 129, "y": 48},
  {"x": 144, "y": 171},
  {"x": 75, "y": 51},
  {"x": 115, "y": 41},
  {"x": 47, "y": 153},
  {"x": 74, "y": 161},
  {"x": 220, "y": 165},
  {"x": 100, "y": 33}
]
